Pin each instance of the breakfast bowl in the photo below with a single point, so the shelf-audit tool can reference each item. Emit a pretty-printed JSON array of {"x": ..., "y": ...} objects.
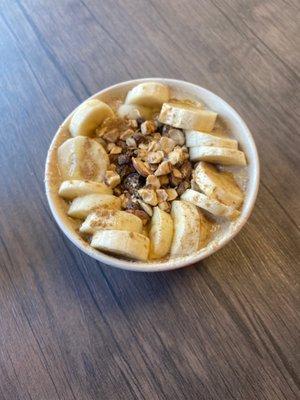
[{"x": 247, "y": 177}]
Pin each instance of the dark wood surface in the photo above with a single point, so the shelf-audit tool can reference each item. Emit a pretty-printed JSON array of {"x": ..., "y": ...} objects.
[{"x": 70, "y": 328}]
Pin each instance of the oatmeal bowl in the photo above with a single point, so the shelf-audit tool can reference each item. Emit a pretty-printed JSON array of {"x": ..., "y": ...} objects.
[{"x": 152, "y": 174}]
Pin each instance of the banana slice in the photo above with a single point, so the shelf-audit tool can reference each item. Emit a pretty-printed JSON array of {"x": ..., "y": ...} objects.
[
  {"x": 75, "y": 188},
  {"x": 84, "y": 205},
  {"x": 149, "y": 94},
  {"x": 88, "y": 116},
  {"x": 132, "y": 111},
  {"x": 218, "y": 185},
  {"x": 186, "y": 228},
  {"x": 111, "y": 219},
  {"x": 82, "y": 158},
  {"x": 186, "y": 116},
  {"x": 161, "y": 233},
  {"x": 196, "y": 138},
  {"x": 206, "y": 229},
  {"x": 217, "y": 155},
  {"x": 209, "y": 204},
  {"x": 127, "y": 244}
]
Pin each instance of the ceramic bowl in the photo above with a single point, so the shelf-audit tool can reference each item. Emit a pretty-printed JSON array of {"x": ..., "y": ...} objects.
[{"x": 179, "y": 89}]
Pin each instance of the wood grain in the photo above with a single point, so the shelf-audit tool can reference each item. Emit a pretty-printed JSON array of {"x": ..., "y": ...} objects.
[{"x": 71, "y": 328}]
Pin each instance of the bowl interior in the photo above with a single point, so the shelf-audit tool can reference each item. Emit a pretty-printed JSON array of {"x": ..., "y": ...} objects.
[{"x": 179, "y": 89}]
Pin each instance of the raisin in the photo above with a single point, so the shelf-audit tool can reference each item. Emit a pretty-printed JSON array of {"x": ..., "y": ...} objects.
[
  {"x": 160, "y": 126},
  {"x": 183, "y": 186},
  {"x": 140, "y": 121},
  {"x": 165, "y": 130},
  {"x": 137, "y": 136},
  {"x": 125, "y": 158},
  {"x": 118, "y": 191},
  {"x": 124, "y": 170},
  {"x": 133, "y": 182},
  {"x": 141, "y": 214},
  {"x": 113, "y": 158},
  {"x": 121, "y": 144},
  {"x": 174, "y": 181},
  {"x": 186, "y": 169},
  {"x": 132, "y": 206}
]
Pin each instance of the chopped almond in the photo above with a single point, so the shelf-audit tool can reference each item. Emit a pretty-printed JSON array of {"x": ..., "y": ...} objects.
[
  {"x": 125, "y": 135},
  {"x": 146, "y": 207},
  {"x": 153, "y": 181},
  {"x": 116, "y": 150},
  {"x": 140, "y": 167},
  {"x": 148, "y": 127},
  {"x": 148, "y": 196},
  {"x": 155, "y": 157},
  {"x": 164, "y": 168},
  {"x": 164, "y": 180},
  {"x": 112, "y": 135},
  {"x": 112, "y": 179},
  {"x": 177, "y": 173},
  {"x": 130, "y": 142},
  {"x": 165, "y": 206},
  {"x": 167, "y": 144},
  {"x": 162, "y": 195},
  {"x": 172, "y": 194}
]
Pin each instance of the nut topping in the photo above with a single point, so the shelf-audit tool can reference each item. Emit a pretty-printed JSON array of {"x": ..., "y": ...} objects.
[
  {"x": 162, "y": 195},
  {"x": 140, "y": 167},
  {"x": 163, "y": 169},
  {"x": 177, "y": 136},
  {"x": 146, "y": 208},
  {"x": 112, "y": 179},
  {"x": 153, "y": 181},
  {"x": 125, "y": 135},
  {"x": 111, "y": 136},
  {"x": 167, "y": 144},
  {"x": 155, "y": 157},
  {"x": 148, "y": 127},
  {"x": 148, "y": 196},
  {"x": 115, "y": 150},
  {"x": 165, "y": 206},
  {"x": 172, "y": 194},
  {"x": 131, "y": 142},
  {"x": 164, "y": 180},
  {"x": 176, "y": 173}
]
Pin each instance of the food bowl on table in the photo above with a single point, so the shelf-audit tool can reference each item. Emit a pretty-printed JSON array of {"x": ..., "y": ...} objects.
[{"x": 224, "y": 219}]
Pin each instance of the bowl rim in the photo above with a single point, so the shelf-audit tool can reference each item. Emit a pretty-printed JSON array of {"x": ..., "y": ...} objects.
[{"x": 173, "y": 263}]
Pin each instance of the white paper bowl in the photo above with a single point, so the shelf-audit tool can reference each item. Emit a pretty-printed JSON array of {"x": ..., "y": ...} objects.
[{"x": 185, "y": 90}]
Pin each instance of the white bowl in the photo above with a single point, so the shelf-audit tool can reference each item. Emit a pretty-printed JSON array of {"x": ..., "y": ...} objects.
[{"x": 181, "y": 89}]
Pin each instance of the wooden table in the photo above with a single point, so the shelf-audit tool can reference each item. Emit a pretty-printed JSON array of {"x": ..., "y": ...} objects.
[{"x": 71, "y": 328}]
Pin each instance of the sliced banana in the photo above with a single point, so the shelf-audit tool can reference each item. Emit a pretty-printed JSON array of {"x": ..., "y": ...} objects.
[
  {"x": 127, "y": 244},
  {"x": 197, "y": 138},
  {"x": 161, "y": 233},
  {"x": 82, "y": 158},
  {"x": 75, "y": 188},
  {"x": 206, "y": 230},
  {"x": 111, "y": 219},
  {"x": 218, "y": 185},
  {"x": 84, "y": 205},
  {"x": 133, "y": 111},
  {"x": 212, "y": 205},
  {"x": 186, "y": 228},
  {"x": 88, "y": 116},
  {"x": 186, "y": 116},
  {"x": 148, "y": 94},
  {"x": 217, "y": 155}
]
